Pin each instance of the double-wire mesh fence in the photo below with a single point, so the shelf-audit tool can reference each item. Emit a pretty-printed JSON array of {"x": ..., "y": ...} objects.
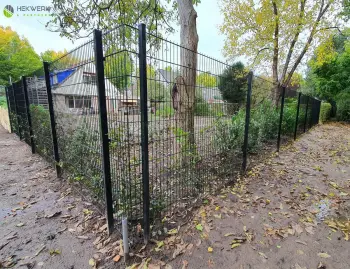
[{"x": 146, "y": 130}]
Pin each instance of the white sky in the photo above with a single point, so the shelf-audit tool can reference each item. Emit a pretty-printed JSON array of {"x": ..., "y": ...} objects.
[{"x": 33, "y": 28}]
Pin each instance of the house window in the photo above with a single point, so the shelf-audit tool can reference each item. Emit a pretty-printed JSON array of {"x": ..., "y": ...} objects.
[
  {"x": 89, "y": 78},
  {"x": 78, "y": 101}
]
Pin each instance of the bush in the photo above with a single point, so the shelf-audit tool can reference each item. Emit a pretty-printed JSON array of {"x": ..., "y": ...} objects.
[
  {"x": 3, "y": 101},
  {"x": 325, "y": 112},
  {"x": 263, "y": 127},
  {"x": 343, "y": 106},
  {"x": 289, "y": 117},
  {"x": 202, "y": 109},
  {"x": 165, "y": 111}
]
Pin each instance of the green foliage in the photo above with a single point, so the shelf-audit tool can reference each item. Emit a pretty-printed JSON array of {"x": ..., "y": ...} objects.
[
  {"x": 42, "y": 130},
  {"x": 263, "y": 127},
  {"x": 3, "y": 101},
  {"x": 165, "y": 110},
  {"x": 119, "y": 68},
  {"x": 17, "y": 56},
  {"x": 325, "y": 112},
  {"x": 343, "y": 106},
  {"x": 206, "y": 80},
  {"x": 232, "y": 83}
]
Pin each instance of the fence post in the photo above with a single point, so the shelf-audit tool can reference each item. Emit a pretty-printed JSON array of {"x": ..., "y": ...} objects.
[
  {"x": 281, "y": 119},
  {"x": 102, "y": 109},
  {"x": 29, "y": 117},
  {"x": 52, "y": 119},
  {"x": 8, "y": 108},
  {"x": 297, "y": 118},
  {"x": 144, "y": 131},
  {"x": 247, "y": 121},
  {"x": 16, "y": 109},
  {"x": 307, "y": 107}
]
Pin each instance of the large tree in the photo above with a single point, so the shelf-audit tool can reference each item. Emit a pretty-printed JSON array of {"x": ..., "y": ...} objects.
[
  {"x": 17, "y": 56},
  {"x": 277, "y": 33}
]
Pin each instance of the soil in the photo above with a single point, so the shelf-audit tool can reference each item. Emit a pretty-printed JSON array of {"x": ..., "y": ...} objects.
[
  {"x": 290, "y": 211},
  {"x": 44, "y": 223}
]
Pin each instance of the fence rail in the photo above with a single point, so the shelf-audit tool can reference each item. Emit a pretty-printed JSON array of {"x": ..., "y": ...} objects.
[{"x": 145, "y": 133}]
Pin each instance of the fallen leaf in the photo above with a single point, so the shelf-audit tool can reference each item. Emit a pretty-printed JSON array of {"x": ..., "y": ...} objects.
[
  {"x": 210, "y": 249},
  {"x": 184, "y": 264},
  {"x": 116, "y": 258},
  {"x": 262, "y": 255},
  {"x": 172, "y": 231},
  {"x": 323, "y": 255},
  {"x": 54, "y": 252},
  {"x": 235, "y": 245},
  {"x": 92, "y": 262},
  {"x": 229, "y": 234},
  {"x": 199, "y": 227},
  {"x": 297, "y": 266},
  {"x": 53, "y": 215},
  {"x": 301, "y": 242}
]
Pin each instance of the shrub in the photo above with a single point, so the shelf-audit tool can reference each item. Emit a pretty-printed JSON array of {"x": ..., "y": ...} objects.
[
  {"x": 263, "y": 127},
  {"x": 289, "y": 117},
  {"x": 325, "y": 112},
  {"x": 3, "y": 101},
  {"x": 42, "y": 130},
  {"x": 343, "y": 106},
  {"x": 202, "y": 109},
  {"x": 165, "y": 111}
]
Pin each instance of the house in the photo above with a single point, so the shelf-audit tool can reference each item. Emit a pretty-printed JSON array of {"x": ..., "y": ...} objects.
[
  {"x": 37, "y": 93},
  {"x": 74, "y": 90},
  {"x": 167, "y": 77}
]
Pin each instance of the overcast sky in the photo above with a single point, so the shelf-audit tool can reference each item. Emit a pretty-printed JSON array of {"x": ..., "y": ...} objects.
[{"x": 33, "y": 28}]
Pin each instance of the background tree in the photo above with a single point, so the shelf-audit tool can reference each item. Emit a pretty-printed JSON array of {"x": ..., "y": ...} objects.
[
  {"x": 233, "y": 83},
  {"x": 277, "y": 33},
  {"x": 17, "y": 56},
  {"x": 119, "y": 69},
  {"x": 329, "y": 73},
  {"x": 206, "y": 80}
]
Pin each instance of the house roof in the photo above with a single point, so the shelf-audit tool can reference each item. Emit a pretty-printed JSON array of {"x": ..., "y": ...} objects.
[
  {"x": 168, "y": 76},
  {"x": 74, "y": 84}
]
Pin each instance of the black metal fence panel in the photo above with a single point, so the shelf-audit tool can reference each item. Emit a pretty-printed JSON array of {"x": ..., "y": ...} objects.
[
  {"x": 12, "y": 109},
  {"x": 75, "y": 105},
  {"x": 22, "y": 118},
  {"x": 166, "y": 131},
  {"x": 38, "y": 107}
]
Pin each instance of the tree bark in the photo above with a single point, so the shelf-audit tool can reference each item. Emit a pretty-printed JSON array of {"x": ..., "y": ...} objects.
[
  {"x": 321, "y": 13},
  {"x": 186, "y": 82},
  {"x": 294, "y": 41},
  {"x": 275, "y": 55}
]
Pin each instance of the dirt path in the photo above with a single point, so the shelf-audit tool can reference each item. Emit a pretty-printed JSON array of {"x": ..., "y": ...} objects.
[
  {"x": 42, "y": 224},
  {"x": 291, "y": 212}
]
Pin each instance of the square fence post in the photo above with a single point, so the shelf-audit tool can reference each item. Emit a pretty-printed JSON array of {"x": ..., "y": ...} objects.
[
  {"x": 144, "y": 131},
  {"x": 16, "y": 110},
  {"x": 9, "y": 108},
  {"x": 307, "y": 108},
  {"x": 281, "y": 119},
  {"x": 52, "y": 120},
  {"x": 247, "y": 121},
  {"x": 29, "y": 118},
  {"x": 297, "y": 117},
  {"x": 102, "y": 111}
]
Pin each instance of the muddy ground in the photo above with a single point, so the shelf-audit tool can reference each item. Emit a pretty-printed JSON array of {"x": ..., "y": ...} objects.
[{"x": 290, "y": 211}]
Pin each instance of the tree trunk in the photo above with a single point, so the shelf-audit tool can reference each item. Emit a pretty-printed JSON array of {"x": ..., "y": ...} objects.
[
  {"x": 186, "y": 82},
  {"x": 276, "y": 88}
]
